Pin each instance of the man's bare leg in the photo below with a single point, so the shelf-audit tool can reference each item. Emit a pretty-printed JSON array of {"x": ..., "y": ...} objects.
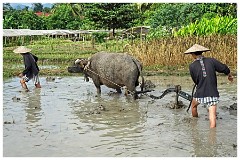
[
  {"x": 194, "y": 108},
  {"x": 212, "y": 116},
  {"x": 38, "y": 85},
  {"x": 24, "y": 86}
]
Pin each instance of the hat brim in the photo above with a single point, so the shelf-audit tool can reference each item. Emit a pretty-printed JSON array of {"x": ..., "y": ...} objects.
[
  {"x": 196, "y": 48},
  {"x": 195, "y": 52},
  {"x": 23, "y": 51}
]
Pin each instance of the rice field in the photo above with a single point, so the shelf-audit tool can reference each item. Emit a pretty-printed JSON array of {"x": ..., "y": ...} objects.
[{"x": 161, "y": 56}]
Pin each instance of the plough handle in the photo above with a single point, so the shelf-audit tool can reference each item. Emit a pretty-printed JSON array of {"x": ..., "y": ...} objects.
[
  {"x": 169, "y": 90},
  {"x": 164, "y": 93}
]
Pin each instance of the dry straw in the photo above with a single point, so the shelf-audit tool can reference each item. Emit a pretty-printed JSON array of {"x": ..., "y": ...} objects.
[{"x": 170, "y": 51}]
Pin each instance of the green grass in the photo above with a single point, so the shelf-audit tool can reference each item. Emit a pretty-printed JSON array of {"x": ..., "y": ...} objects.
[{"x": 56, "y": 52}]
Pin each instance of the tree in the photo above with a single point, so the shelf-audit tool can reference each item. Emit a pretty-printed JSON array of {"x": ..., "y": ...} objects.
[
  {"x": 144, "y": 6},
  {"x": 175, "y": 15},
  {"x": 25, "y": 8},
  {"x": 63, "y": 17},
  {"x": 46, "y": 9},
  {"x": 167, "y": 18},
  {"x": 11, "y": 20},
  {"x": 112, "y": 15},
  {"x": 7, "y": 7},
  {"x": 77, "y": 9},
  {"x": 37, "y": 7},
  {"x": 23, "y": 19},
  {"x": 30, "y": 20}
]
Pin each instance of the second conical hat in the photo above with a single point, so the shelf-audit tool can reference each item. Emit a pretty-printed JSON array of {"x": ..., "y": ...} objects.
[
  {"x": 22, "y": 49},
  {"x": 196, "y": 48}
]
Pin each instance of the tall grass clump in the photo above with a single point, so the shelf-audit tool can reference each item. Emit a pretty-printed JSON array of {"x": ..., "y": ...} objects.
[{"x": 170, "y": 51}]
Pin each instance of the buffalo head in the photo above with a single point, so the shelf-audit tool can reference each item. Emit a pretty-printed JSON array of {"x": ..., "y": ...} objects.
[{"x": 78, "y": 66}]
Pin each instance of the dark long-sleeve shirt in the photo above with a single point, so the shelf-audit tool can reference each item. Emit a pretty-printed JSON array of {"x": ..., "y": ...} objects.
[
  {"x": 31, "y": 67},
  {"x": 207, "y": 86}
]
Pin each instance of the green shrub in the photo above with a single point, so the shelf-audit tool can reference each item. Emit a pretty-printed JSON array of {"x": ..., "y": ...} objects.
[
  {"x": 158, "y": 32},
  {"x": 99, "y": 36}
]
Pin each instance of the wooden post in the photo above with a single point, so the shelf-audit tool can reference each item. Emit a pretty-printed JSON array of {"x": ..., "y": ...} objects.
[
  {"x": 22, "y": 40},
  {"x": 178, "y": 88},
  {"x": 5, "y": 40},
  {"x": 93, "y": 42}
]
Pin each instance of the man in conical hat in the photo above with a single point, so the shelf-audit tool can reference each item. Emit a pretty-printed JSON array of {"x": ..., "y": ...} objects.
[
  {"x": 31, "y": 68},
  {"x": 203, "y": 72}
]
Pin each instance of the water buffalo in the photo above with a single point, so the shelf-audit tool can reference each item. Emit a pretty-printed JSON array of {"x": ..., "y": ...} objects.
[{"x": 114, "y": 70}]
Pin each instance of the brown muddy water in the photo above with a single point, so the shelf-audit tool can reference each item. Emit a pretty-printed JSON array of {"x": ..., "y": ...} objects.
[{"x": 65, "y": 118}]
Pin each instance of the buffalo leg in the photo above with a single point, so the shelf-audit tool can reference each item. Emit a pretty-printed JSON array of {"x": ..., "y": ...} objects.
[
  {"x": 126, "y": 92},
  {"x": 131, "y": 89},
  {"x": 98, "y": 86},
  {"x": 98, "y": 90},
  {"x": 119, "y": 90}
]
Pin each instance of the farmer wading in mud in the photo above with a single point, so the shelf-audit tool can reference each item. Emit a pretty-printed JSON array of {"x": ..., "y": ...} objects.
[
  {"x": 203, "y": 72},
  {"x": 31, "y": 68}
]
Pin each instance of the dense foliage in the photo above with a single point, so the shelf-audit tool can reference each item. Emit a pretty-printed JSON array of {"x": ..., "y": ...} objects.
[
  {"x": 63, "y": 18},
  {"x": 24, "y": 19},
  {"x": 175, "y": 15},
  {"x": 181, "y": 24},
  {"x": 163, "y": 18},
  {"x": 112, "y": 15},
  {"x": 168, "y": 18},
  {"x": 216, "y": 25}
]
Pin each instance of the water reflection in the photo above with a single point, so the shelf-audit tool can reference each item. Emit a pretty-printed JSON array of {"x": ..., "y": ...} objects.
[
  {"x": 117, "y": 121},
  {"x": 33, "y": 108},
  {"x": 204, "y": 142},
  {"x": 119, "y": 117}
]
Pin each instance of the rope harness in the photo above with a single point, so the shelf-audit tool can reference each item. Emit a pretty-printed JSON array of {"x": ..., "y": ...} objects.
[
  {"x": 86, "y": 68},
  {"x": 177, "y": 88}
]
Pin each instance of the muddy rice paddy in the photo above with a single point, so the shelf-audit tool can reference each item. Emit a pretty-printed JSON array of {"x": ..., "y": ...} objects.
[{"x": 65, "y": 118}]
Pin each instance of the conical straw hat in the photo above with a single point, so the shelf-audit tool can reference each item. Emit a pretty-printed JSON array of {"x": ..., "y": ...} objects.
[
  {"x": 196, "y": 48},
  {"x": 21, "y": 49}
]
